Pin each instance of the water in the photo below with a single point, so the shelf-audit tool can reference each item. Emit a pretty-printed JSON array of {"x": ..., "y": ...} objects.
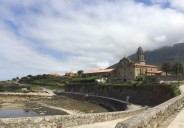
[
  {"x": 21, "y": 106},
  {"x": 12, "y": 110},
  {"x": 12, "y": 113}
]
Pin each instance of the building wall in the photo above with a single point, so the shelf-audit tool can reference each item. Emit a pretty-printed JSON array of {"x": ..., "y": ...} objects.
[{"x": 124, "y": 71}]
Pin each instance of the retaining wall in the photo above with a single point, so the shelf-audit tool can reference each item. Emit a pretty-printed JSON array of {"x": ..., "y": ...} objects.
[
  {"x": 153, "y": 117},
  {"x": 114, "y": 104},
  {"x": 64, "y": 121},
  {"x": 164, "y": 78},
  {"x": 146, "y": 94}
]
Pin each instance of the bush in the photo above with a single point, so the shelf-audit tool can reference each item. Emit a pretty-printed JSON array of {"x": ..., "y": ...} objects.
[
  {"x": 44, "y": 80},
  {"x": 85, "y": 80},
  {"x": 12, "y": 87},
  {"x": 139, "y": 78}
]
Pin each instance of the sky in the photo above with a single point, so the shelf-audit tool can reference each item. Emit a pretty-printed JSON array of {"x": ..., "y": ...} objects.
[{"x": 58, "y": 36}]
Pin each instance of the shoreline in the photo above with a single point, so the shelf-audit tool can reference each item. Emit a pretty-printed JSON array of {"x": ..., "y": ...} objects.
[
  {"x": 45, "y": 94},
  {"x": 70, "y": 112},
  {"x": 28, "y": 94}
]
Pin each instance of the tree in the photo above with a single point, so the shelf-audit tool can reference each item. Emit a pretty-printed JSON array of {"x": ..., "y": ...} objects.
[
  {"x": 177, "y": 68},
  {"x": 14, "y": 79},
  {"x": 166, "y": 67},
  {"x": 80, "y": 72}
]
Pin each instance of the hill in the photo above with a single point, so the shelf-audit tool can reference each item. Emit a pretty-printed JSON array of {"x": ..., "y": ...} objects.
[{"x": 170, "y": 54}]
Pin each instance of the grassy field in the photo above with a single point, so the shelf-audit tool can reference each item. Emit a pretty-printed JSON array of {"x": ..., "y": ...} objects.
[{"x": 12, "y": 86}]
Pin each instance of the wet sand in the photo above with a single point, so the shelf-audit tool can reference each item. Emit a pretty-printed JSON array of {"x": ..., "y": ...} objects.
[{"x": 37, "y": 105}]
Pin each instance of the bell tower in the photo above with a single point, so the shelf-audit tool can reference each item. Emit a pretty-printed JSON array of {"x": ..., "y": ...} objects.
[{"x": 140, "y": 56}]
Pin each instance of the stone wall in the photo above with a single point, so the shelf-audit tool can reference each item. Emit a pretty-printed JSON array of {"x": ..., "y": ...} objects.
[
  {"x": 150, "y": 95},
  {"x": 164, "y": 78},
  {"x": 111, "y": 103},
  {"x": 153, "y": 117},
  {"x": 64, "y": 121}
]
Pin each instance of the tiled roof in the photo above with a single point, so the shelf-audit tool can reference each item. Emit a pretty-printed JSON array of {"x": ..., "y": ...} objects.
[
  {"x": 99, "y": 71},
  {"x": 55, "y": 74},
  {"x": 70, "y": 73},
  {"x": 155, "y": 72},
  {"x": 145, "y": 65}
]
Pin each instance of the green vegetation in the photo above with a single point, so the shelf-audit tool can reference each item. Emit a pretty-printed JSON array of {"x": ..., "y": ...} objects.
[
  {"x": 80, "y": 72},
  {"x": 45, "y": 80},
  {"x": 139, "y": 78},
  {"x": 166, "y": 67},
  {"x": 171, "y": 88},
  {"x": 12, "y": 87},
  {"x": 133, "y": 85},
  {"x": 176, "y": 68},
  {"x": 78, "y": 84},
  {"x": 174, "y": 87},
  {"x": 54, "y": 87},
  {"x": 40, "y": 82},
  {"x": 85, "y": 79},
  {"x": 161, "y": 55}
]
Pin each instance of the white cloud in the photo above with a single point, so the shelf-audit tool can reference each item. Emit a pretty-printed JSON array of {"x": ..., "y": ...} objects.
[
  {"x": 102, "y": 65},
  {"x": 161, "y": 38},
  {"x": 177, "y": 4},
  {"x": 87, "y": 35}
]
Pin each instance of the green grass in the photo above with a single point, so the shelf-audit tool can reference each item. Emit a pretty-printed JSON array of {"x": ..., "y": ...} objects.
[
  {"x": 51, "y": 87},
  {"x": 174, "y": 88},
  {"x": 12, "y": 87},
  {"x": 16, "y": 87},
  {"x": 85, "y": 79}
]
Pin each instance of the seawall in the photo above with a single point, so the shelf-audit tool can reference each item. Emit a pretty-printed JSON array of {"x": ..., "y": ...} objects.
[
  {"x": 66, "y": 120},
  {"x": 150, "y": 95},
  {"x": 111, "y": 103},
  {"x": 153, "y": 117}
]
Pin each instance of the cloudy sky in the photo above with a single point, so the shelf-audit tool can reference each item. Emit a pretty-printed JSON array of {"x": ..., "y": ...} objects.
[{"x": 46, "y": 36}]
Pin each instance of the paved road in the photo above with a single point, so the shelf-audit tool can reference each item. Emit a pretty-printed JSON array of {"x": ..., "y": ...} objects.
[{"x": 178, "y": 122}]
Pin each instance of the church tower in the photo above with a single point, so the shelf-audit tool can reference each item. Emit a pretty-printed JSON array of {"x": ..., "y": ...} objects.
[{"x": 140, "y": 56}]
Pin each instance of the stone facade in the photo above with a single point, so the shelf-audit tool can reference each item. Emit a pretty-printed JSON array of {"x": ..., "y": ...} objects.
[
  {"x": 124, "y": 71},
  {"x": 127, "y": 70}
]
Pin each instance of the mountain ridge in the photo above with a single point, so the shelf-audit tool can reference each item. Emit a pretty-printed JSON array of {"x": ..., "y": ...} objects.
[{"x": 172, "y": 54}]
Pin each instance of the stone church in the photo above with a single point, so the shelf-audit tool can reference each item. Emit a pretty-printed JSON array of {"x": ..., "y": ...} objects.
[{"x": 126, "y": 70}]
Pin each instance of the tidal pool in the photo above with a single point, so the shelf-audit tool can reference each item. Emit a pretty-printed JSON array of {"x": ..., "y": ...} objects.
[{"x": 30, "y": 106}]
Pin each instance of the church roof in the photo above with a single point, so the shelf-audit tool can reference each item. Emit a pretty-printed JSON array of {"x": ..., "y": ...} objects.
[
  {"x": 145, "y": 65},
  {"x": 125, "y": 59},
  {"x": 99, "y": 71}
]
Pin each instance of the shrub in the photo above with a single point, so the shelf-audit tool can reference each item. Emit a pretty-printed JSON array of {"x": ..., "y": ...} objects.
[{"x": 85, "y": 80}]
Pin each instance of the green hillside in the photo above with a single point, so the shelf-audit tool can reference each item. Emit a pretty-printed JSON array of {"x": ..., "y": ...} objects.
[{"x": 170, "y": 54}]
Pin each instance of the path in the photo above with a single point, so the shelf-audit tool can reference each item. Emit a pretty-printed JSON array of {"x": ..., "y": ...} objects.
[
  {"x": 178, "y": 122},
  {"x": 108, "y": 124}
]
